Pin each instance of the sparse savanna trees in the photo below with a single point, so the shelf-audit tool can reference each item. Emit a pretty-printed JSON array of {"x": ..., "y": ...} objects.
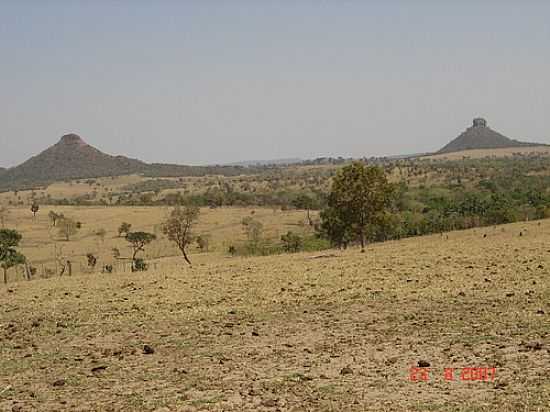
[
  {"x": 359, "y": 197},
  {"x": 9, "y": 256},
  {"x": 178, "y": 227}
]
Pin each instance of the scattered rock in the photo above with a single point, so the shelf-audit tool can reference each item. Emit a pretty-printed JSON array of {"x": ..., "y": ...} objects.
[
  {"x": 500, "y": 385},
  {"x": 534, "y": 345},
  {"x": 99, "y": 368},
  {"x": 540, "y": 312},
  {"x": 270, "y": 403},
  {"x": 59, "y": 382},
  {"x": 346, "y": 371},
  {"x": 255, "y": 333},
  {"x": 148, "y": 350}
]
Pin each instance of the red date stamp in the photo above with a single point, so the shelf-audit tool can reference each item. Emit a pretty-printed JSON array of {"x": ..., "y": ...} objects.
[{"x": 471, "y": 374}]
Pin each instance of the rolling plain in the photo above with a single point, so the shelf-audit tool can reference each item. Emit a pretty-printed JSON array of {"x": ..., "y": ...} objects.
[{"x": 326, "y": 331}]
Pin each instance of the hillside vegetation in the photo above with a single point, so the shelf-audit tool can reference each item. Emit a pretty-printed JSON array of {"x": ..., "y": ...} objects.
[{"x": 72, "y": 158}]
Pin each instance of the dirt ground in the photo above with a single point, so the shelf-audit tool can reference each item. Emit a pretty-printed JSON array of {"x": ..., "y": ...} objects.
[{"x": 332, "y": 331}]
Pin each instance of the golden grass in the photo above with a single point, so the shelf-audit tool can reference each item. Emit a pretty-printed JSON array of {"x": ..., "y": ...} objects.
[
  {"x": 41, "y": 242},
  {"x": 275, "y": 333},
  {"x": 483, "y": 153}
]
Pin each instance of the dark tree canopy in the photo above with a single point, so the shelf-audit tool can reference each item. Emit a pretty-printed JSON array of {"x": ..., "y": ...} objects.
[
  {"x": 359, "y": 197},
  {"x": 9, "y": 256},
  {"x": 138, "y": 240}
]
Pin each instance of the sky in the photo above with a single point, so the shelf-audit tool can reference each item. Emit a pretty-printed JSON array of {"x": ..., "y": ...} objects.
[{"x": 205, "y": 82}]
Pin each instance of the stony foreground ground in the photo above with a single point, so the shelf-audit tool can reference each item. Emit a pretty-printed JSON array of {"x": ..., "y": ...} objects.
[{"x": 336, "y": 332}]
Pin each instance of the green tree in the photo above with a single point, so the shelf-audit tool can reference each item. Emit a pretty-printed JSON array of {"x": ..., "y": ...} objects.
[
  {"x": 179, "y": 227},
  {"x": 138, "y": 240},
  {"x": 292, "y": 242},
  {"x": 34, "y": 209},
  {"x": 359, "y": 196},
  {"x": 9, "y": 256}
]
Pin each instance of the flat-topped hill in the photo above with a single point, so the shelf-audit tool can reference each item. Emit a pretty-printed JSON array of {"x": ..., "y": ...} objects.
[{"x": 481, "y": 136}]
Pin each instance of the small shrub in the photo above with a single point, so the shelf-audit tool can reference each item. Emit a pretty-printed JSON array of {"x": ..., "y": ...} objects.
[{"x": 140, "y": 265}]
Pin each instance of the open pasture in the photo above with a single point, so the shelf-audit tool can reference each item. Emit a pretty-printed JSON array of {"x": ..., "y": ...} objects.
[{"x": 331, "y": 331}]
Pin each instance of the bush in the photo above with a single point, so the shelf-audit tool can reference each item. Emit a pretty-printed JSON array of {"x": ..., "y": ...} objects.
[
  {"x": 292, "y": 242},
  {"x": 140, "y": 265}
]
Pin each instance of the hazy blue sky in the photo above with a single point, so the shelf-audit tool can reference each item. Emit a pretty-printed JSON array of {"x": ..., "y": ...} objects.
[{"x": 217, "y": 81}]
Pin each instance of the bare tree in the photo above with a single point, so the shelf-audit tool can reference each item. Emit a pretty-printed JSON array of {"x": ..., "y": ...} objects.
[
  {"x": 54, "y": 217},
  {"x": 4, "y": 213},
  {"x": 67, "y": 227},
  {"x": 179, "y": 227}
]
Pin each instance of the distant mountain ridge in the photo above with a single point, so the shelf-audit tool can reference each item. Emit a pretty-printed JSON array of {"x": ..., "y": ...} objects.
[
  {"x": 72, "y": 158},
  {"x": 480, "y": 136},
  {"x": 279, "y": 162}
]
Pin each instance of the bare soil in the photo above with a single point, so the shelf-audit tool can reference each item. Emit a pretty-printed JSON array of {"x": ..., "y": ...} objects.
[{"x": 291, "y": 333}]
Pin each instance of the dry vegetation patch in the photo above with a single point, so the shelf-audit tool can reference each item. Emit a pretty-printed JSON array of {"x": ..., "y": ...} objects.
[{"x": 290, "y": 333}]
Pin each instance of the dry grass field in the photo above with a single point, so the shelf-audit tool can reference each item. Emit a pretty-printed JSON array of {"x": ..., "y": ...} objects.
[
  {"x": 333, "y": 331},
  {"x": 42, "y": 243},
  {"x": 483, "y": 153}
]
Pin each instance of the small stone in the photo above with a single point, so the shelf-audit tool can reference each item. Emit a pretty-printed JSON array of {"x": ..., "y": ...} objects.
[
  {"x": 534, "y": 345},
  {"x": 423, "y": 364},
  {"x": 99, "y": 368},
  {"x": 59, "y": 382},
  {"x": 148, "y": 350},
  {"x": 270, "y": 403},
  {"x": 346, "y": 371},
  {"x": 255, "y": 333}
]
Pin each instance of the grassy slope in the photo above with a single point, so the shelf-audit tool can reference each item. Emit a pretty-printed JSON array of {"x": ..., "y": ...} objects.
[
  {"x": 482, "y": 153},
  {"x": 272, "y": 333}
]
